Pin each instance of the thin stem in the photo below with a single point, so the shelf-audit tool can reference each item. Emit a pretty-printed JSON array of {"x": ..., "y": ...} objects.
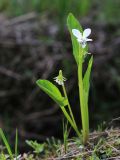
[
  {"x": 16, "y": 144},
  {"x": 69, "y": 107},
  {"x": 70, "y": 121}
]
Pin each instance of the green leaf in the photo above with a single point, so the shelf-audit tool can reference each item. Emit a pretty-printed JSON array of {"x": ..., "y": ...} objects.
[
  {"x": 73, "y": 23},
  {"x": 38, "y": 148},
  {"x": 2, "y": 156},
  {"x": 6, "y": 144},
  {"x": 52, "y": 91},
  {"x": 86, "y": 79}
]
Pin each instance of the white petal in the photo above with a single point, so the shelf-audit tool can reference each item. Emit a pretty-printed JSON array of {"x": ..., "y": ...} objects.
[
  {"x": 79, "y": 40},
  {"x": 87, "y": 39},
  {"x": 86, "y": 32},
  {"x": 77, "y": 33},
  {"x": 57, "y": 80},
  {"x": 88, "y": 53}
]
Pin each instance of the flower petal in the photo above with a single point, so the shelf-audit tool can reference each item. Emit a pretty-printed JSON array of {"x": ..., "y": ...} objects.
[
  {"x": 87, "y": 39},
  {"x": 86, "y": 32},
  {"x": 80, "y": 40},
  {"x": 77, "y": 33}
]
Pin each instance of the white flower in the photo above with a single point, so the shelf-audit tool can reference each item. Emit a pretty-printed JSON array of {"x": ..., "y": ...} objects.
[
  {"x": 60, "y": 79},
  {"x": 82, "y": 37}
]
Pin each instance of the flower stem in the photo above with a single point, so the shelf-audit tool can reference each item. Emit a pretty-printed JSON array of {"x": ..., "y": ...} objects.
[
  {"x": 69, "y": 107},
  {"x": 70, "y": 121}
]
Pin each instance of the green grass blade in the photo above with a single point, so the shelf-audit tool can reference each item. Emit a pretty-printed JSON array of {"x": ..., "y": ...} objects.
[
  {"x": 6, "y": 144},
  {"x": 16, "y": 144}
]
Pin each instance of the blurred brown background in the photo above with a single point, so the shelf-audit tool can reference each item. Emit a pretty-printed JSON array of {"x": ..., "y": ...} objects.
[{"x": 35, "y": 43}]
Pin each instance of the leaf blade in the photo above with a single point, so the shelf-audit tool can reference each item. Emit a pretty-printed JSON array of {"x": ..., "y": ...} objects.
[
  {"x": 73, "y": 23},
  {"x": 50, "y": 89},
  {"x": 86, "y": 79},
  {"x": 6, "y": 143}
]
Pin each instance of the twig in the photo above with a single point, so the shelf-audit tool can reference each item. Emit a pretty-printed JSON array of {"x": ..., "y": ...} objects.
[
  {"x": 20, "y": 19},
  {"x": 116, "y": 158},
  {"x": 115, "y": 119},
  {"x": 10, "y": 73}
]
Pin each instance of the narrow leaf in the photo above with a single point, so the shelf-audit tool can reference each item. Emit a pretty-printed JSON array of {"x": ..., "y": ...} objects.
[
  {"x": 86, "y": 79},
  {"x": 6, "y": 144},
  {"x": 52, "y": 91}
]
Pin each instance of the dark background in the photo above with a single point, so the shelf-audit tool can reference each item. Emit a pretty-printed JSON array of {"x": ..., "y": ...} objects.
[{"x": 35, "y": 43}]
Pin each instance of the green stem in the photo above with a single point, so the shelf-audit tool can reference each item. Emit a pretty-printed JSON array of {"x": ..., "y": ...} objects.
[
  {"x": 70, "y": 121},
  {"x": 83, "y": 106},
  {"x": 16, "y": 144},
  {"x": 69, "y": 107}
]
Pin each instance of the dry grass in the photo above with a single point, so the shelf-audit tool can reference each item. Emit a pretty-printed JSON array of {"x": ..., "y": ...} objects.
[{"x": 102, "y": 145}]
